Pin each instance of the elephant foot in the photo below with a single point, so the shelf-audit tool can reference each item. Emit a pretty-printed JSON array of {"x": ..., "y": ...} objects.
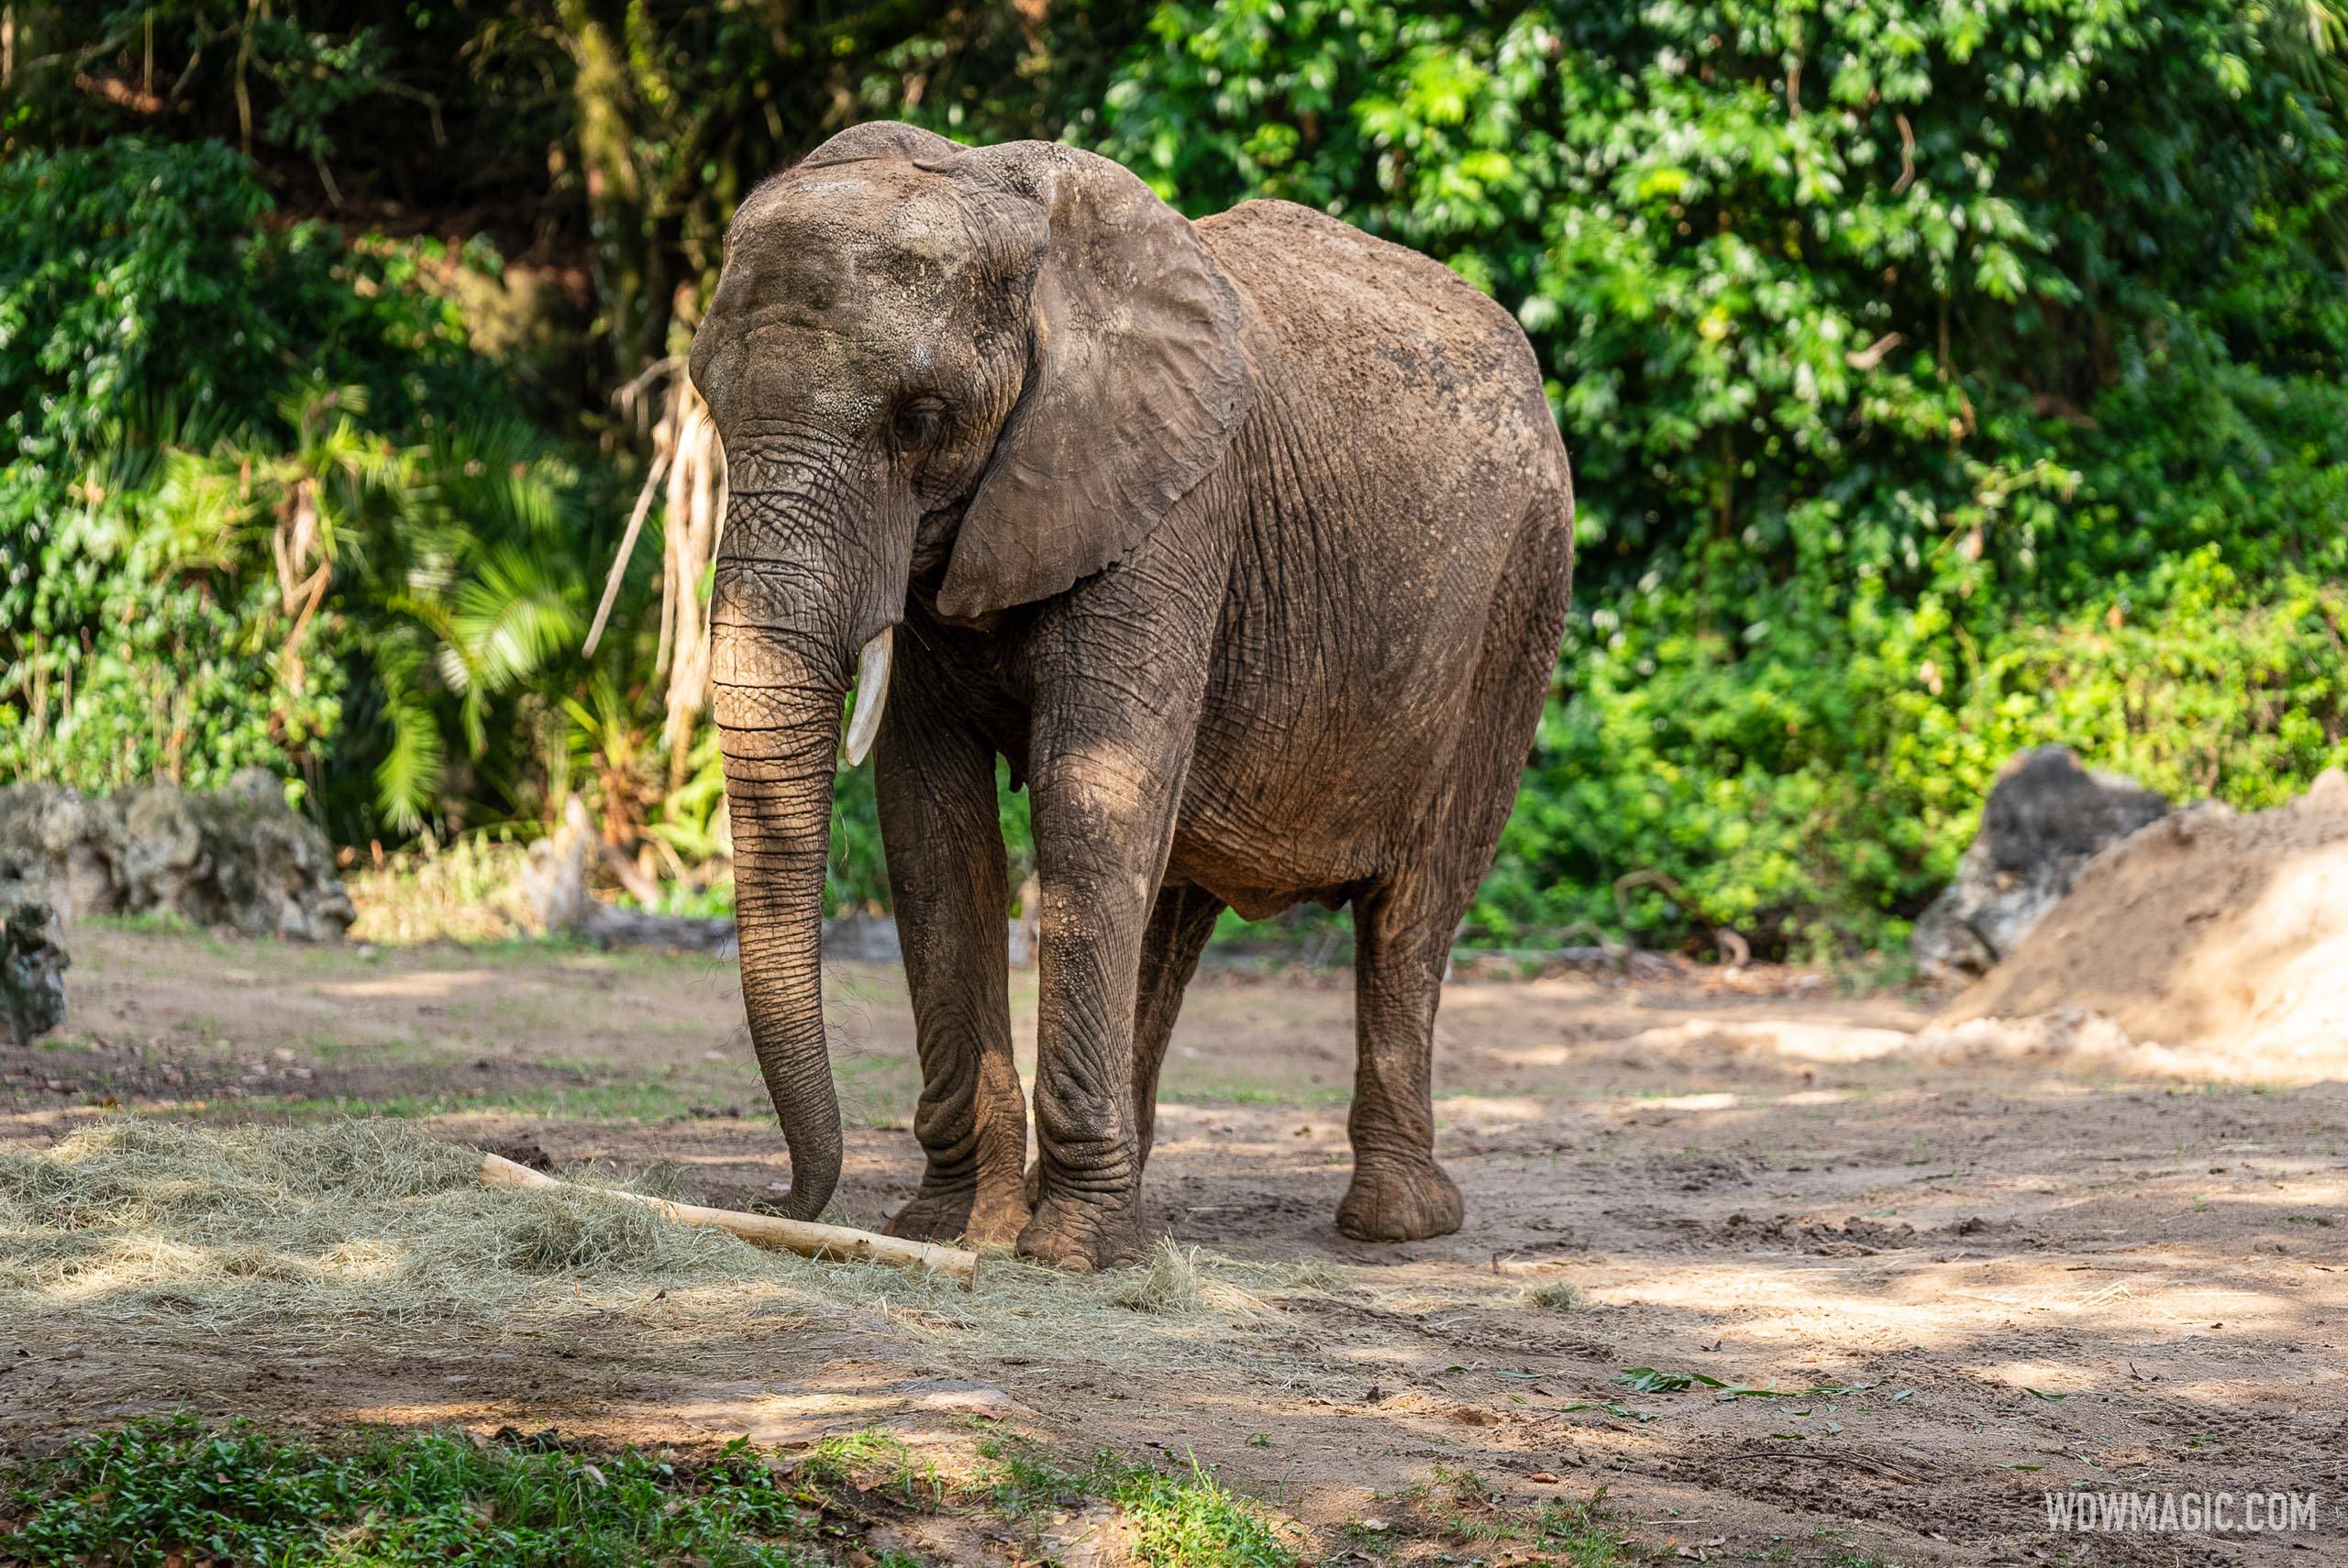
[
  {"x": 996, "y": 1220},
  {"x": 940, "y": 1216},
  {"x": 1400, "y": 1202},
  {"x": 1083, "y": 1237},
  {"x": 968, "y": 1214}
]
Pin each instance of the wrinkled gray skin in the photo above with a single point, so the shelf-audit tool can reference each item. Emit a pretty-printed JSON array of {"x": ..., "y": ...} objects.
[{"x": 1247, "y": 542}]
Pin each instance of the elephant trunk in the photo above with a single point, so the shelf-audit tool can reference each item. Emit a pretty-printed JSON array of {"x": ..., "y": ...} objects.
[{"x": 778, "y": 709}]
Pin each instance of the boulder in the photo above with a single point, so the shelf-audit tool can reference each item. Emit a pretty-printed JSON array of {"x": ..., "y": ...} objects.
[
  {"x": 2045, "y": 818},
  {"x": 270, "y": 872},
  {"x": 238, "y": 857},
  {"x": 32, "y": 972},
  {"x": 56, "y": 848}
]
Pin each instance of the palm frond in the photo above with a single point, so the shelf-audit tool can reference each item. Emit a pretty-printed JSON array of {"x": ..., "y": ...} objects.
[
  {"x": 513, "y": 616},
  {"x": 409, "y": 776}
]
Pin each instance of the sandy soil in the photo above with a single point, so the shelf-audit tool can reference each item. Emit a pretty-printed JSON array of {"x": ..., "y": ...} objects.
[{"x": 1986, "y": 1273}]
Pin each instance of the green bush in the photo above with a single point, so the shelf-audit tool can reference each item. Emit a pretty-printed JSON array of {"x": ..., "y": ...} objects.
[{"x": 265, "y": 504}]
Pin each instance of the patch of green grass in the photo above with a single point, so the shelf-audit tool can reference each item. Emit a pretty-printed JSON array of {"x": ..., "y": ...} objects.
[
  {"x": 173, "y": 1490},
  {"x": 1459, "y": 1508},
  {"x": 1185, "y": 1519},
  {"x": 176, "y": 1489},
  {"x": 145, "y": 921},
  {"x": 853, "y": 1458},
  {"x": 1018, "y": 1478},
  {"x": 1464, "y": 1505},
  {"x": 1181, "y": 1518},
  {"x": 1304, "y": 1096},
  {"x": 1579, "y": 1534}
]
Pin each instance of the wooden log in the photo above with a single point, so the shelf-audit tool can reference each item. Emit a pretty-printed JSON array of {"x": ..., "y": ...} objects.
[{"x": 833, "y": 1243}]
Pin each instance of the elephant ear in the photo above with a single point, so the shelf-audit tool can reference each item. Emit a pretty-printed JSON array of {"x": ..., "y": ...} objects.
[{"x": 1136, "y": 382}]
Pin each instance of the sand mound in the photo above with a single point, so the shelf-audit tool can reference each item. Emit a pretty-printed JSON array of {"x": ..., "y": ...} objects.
[{"x": 2207, "y": 931}]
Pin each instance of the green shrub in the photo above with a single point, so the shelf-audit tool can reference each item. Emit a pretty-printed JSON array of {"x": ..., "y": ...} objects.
[{"x": 264, "y": 503}]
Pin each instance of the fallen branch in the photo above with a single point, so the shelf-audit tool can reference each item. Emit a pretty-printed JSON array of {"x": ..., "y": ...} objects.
[
  {"x": 627, "y": 547},
  {"x": 833, "y": 1243},
  {"x": 1731, "y": 944}
]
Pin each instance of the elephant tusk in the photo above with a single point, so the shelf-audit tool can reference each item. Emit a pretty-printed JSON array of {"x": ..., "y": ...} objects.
[{"x": 871, "y": 695}]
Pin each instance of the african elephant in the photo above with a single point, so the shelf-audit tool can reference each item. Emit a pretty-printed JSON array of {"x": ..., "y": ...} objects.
[{"x": 1246, "y": 542}]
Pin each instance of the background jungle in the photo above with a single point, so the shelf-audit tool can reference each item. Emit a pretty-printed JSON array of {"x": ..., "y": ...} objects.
[{"x": 1942, "y": 377}]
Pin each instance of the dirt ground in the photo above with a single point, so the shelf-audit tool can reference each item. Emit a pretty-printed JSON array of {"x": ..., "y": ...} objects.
[{"x": 1983, "y": 1271}]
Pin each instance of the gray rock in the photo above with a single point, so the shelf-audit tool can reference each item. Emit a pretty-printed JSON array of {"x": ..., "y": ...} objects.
[
  {"x": 56, "y": 847},
  {"x": 236, "y": 858},
  {"x": 867, "y": 939},
  {"x": 159, "y": 853},
  {"x": 32, "y": 972},
  {"x": 279, "y": 880},
  {"x": 2045, "y": 818}
]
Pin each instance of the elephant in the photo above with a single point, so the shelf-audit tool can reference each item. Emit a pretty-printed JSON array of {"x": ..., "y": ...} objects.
[{"x": 1246, "y": 542}]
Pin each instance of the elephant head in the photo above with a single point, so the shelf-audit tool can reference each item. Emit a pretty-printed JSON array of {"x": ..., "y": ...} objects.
[{"x": 976, "y": 375}]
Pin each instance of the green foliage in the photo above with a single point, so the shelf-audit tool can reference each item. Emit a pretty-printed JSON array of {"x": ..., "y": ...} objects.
[
  {"x": 266, "y": 505},
  {"x": 1181, "y": 1518},
  {"x": 165, "y": 1490},
  {"x": 1185, "y": 1519},
  {"x": 162, "y": 1491}
]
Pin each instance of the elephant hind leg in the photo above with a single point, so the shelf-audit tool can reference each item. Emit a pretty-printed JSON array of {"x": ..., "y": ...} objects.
[
  {"x": 1403, "y": 943},
  {"x": 1179, "y": 924},
  {"x": 1403, "y": 924}
]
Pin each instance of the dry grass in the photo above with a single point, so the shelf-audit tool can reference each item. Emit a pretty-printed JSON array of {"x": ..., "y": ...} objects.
[
  {"x": 1182, "y": 1282},
  {"x": 1551, "y": 1295},
  {"x": 1168, "y": 1287},
  {"x": 345, "y": 1227},
  {"x": 464, "y": 892},
  {"x": 369, "y": 1217}
]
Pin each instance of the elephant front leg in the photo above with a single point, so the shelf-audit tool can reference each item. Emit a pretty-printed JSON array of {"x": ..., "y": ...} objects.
[
  {"x": 935, "y": 787},
  {"x": 1104, "y": 817}
]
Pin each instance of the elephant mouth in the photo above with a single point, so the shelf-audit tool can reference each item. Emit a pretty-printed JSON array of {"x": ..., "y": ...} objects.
[{"x": 934, "y": 542}]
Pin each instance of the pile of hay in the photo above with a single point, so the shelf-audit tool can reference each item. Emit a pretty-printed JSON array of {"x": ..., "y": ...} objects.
[
  {"x": 337, "y": 1228},
  {"x": 2218, "y": 934},
  {"x": 366, "y": 1217}
]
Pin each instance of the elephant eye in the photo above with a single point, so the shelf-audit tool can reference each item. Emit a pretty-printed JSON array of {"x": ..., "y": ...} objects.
[{"x": 918, "y": 420}]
